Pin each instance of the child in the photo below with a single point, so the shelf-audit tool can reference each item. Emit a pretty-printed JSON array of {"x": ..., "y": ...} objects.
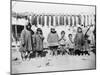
[
  {"x": 26, "y": 42},
  {"x": 70, "y": 44},
  {"x": 53, "y": 39},
  {"x": 91, "y": 35},
  {"x": 79, "y": 40},
  {"x": 62, "y": 42},
  {"x": 39, "y": 42},
  {"x": 88, "y": 40}
]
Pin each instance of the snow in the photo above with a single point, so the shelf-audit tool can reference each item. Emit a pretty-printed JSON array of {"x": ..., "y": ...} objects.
[{"x": 53, "y": 63}]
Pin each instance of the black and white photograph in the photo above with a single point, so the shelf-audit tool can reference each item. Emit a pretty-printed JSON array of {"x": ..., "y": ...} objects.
[{"x": 52, "y": 37}]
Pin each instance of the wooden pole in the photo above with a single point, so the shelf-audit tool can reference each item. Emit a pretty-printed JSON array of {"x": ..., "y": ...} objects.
[{"x": 16, "y": 32}]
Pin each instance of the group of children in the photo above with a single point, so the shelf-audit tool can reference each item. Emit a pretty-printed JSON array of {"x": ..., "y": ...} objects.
[
  {"x": 72, "y": 46},
  {"x": 32, "y": 42}
]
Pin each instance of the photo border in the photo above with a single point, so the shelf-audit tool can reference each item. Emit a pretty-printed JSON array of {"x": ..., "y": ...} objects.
[{"x": 58, "y": 4}]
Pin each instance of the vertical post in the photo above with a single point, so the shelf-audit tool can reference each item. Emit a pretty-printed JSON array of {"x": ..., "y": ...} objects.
[
  {"x": 58, "y": 20},
  {"x": 50, "y": 20},
  {"x": 16, "y": 32}
]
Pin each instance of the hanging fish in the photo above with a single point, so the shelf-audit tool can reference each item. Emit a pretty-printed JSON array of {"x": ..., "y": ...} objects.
[
  {"x": 62, "y": 20},
  {"x": 70, "y": 20},
  {"x": 74, "y": 20},
  {"x": 47, "y": 20},
  {"x": 51, "y": 20},
  {"x": 43, "y": 20},
  {"x": 66, "y": 20},
  {"x": 56, "y": 20},
  {"x": 84, "y": 20},
  {"x": 40, "y": 19}
]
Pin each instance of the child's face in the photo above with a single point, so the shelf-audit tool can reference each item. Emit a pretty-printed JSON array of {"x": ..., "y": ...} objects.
[
  {"x": 28, "y": 27},
  {"x": 79, "y": 30},
  {"x": 52, "y": 30},
  {"x": 70, "y": 37},
  {"x": 39, "y": 32}
]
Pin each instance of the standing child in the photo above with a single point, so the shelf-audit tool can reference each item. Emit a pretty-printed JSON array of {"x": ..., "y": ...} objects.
[
  {"x": 70, "y": 44},
  {"x": 89, "y": 38},
  {"x": 26, "y": 42},
  {"x": 39, "y": 42},
  {"x": 53, "y": 39},
  {"x": 79, "y": 40}
]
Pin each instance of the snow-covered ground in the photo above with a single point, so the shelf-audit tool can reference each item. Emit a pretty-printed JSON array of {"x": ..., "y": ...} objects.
[{"x": 52, "y": 63}]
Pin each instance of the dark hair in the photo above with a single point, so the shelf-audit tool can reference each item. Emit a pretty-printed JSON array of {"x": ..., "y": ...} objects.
[
  {"x": 53, "y": 31},
  {"x": 79, "y": 28},
  {"x": 52, "y": 28},
  {"x": 69, "y": 35},
  {"x": 28, "y": 26},
  {"x": 62, "y": 32},
  {"x": 40, "y": 30}
]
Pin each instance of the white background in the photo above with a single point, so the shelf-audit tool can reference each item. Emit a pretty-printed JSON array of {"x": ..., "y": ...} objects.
[
  {"x": 48, "y": 8},
  {"x": 5, "y": 37}
]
